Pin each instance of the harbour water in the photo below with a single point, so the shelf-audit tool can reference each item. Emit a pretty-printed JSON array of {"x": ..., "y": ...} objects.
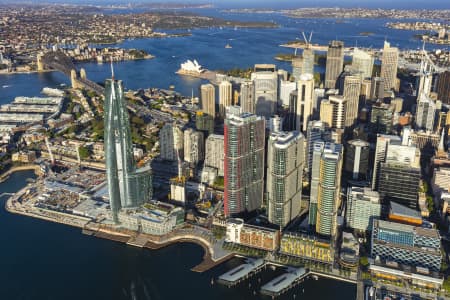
[
  {"x": 42, "y": 260},
  {"x": 249, "y": 46}
]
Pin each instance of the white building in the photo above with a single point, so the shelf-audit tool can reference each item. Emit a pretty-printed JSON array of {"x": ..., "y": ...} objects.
[
  {"x": 286, "y": 88},
  {"x": 363, "y": 206},
  {"x": 194, "y": 151}
]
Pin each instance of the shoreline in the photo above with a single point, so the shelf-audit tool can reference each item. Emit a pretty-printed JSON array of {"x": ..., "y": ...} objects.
[
  {"x": 135, "y": 239},
  {"x": 148, "y": 57},
  {"x": 30, "y": 167}
]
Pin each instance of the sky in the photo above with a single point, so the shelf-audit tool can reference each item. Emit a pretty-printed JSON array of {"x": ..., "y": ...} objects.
[{"x": 279, "y": 4}]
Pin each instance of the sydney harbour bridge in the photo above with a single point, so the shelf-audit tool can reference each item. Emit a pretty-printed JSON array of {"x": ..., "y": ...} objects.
[{"x": 59, "y": 61}]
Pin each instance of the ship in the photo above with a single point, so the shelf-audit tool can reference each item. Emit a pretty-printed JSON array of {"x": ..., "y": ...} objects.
[{"x": 228, "y": 46}]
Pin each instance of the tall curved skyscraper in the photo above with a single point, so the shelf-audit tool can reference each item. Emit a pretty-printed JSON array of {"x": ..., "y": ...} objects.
[{"x": 127, "y": 186}]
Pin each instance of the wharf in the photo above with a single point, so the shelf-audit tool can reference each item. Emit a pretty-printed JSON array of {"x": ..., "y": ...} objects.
[
  {"x": 241, "y": 272},
  {"x": 284, "y": 282},
  {"x": 138, "y": 241}
]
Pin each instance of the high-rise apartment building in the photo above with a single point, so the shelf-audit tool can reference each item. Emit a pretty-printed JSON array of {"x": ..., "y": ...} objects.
[
  {"x": 244, "y": 138},
  {"x": 208, "y": 99},
  {"x": 225, "y": 97},
  {"x": 247, "y": 97},
  {"x": 171, "y": 142},
  {"x": 127, "y": 186},
  {"x": 389, "y": 65},
  {"x": 214, "y": 153},
  {"x": 194, "y": 146},
  {"x": 317, "y": 132},
  {"x": 285, "y": 162},
  {"x": 335, "y": 63},
  {"x": 329, "y": 187}
]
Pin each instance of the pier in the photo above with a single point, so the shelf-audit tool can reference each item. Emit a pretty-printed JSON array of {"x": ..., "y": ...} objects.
[
  {"x": 284, "y": 282},
  {"x": 242, "y": 272}
]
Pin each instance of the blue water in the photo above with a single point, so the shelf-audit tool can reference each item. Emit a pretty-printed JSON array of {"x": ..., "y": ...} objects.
[
  {"x": 250, "y": 46},
  {"x": 43, "y": 260}
]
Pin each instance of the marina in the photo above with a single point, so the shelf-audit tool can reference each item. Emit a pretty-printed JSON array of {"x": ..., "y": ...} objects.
[{"x": 242, "y": 272}]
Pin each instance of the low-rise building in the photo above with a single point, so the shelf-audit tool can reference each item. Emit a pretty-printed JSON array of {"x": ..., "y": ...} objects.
[
  {"x": 252, "y": 236},
  {"x": 406, "y": 244},
  {"x": 24, "y": 156},
  {"x": 308, "y": 247},
  {"x": 155, "y": 218}
]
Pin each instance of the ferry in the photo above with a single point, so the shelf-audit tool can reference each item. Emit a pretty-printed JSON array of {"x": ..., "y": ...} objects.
[
  {"x": 5, "y": 86},
  {"x": 228, "y": 46}
]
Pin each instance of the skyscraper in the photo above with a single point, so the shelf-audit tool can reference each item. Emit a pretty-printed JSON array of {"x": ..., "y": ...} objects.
[
  {"x": 335, "y": 63},
  {"x": 357, "y": 159},
  {"x": 127, "y": 186},
  {"x": 297, "y": 67},
  {"x": 381, "y": 119},
  {"x": 362, "y": 63},
  {"x": 286, "y": 88},
  {"x": 443, "y": 87},
  {"x": 426, "y": 113},
  {"x": 401, "y": 169},
  {"x": 329, "y": 187},
  {"x": 247, "y": 96},
  {"x": 308, "y": 61},
  {"x": 244, "y": 138},
  {"x": 380, "y": 155},
  {"x": 317, "y": 132},
  {"x": 265, "y": 78},
  {"x": 214, "y": 153},
  {"x": 352, "y": 89},
  {"x": 208, "y": 99},
  {"x": 339, "y": 111},
  {"x": 377, "y": 88},
  {"x": 304, "y": 64},
  {"x": 389, "y": 66},
  {"x": 225, "y": 97},
  {"x": 305, "y": 93},
  {"x": 285, "y": 161},
  {"x": 171, "y": 142},
  {"x": 194, "y": 146}
]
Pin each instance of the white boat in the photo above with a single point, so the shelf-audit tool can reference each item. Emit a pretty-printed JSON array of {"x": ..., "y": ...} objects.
[{"x": 5, "y": 86}]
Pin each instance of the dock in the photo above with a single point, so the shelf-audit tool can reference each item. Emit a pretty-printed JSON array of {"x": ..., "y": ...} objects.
[
  {"x": 242, "y": 272},
  {"x": 284, "y": 282},
  {"x": 138, "y": 241}
]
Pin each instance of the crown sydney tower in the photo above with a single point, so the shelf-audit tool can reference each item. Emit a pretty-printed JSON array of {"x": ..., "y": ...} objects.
[{"x": 128, "y": 187}]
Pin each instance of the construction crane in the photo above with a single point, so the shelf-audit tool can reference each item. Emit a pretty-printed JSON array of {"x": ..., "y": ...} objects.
[
  {"x": 307, "y": 41},
  {"x": 52, "y": 159}
]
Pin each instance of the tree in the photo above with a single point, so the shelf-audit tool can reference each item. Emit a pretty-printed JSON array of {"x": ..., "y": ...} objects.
[{"x": 84, "y": 152}]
